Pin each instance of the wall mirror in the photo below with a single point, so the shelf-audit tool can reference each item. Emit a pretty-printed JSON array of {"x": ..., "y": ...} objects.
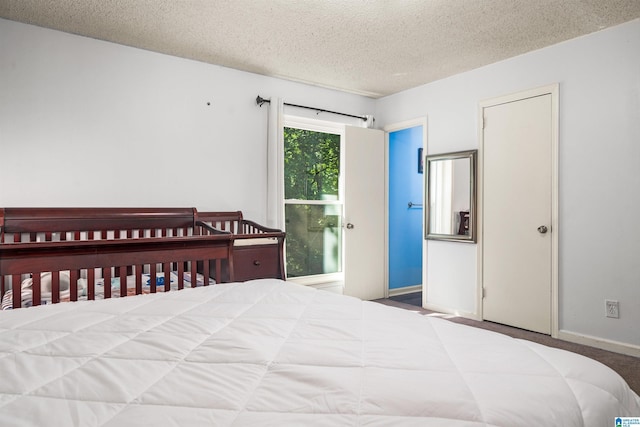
[{"x": 450, "y": 196}]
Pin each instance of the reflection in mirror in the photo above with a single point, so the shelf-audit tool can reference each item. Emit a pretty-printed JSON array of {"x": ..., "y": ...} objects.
[{"x": 450, "y": 194}]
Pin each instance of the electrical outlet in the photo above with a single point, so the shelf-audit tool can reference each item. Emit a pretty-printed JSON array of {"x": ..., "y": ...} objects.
[{"x": 613, "y": 308}]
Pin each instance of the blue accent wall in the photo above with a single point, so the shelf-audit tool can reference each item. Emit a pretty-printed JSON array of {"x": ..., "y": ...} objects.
[{"x": 405, "y": 224}]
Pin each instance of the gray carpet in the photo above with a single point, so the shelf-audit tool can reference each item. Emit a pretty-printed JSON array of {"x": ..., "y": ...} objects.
[{"x": 627, "y": 366}]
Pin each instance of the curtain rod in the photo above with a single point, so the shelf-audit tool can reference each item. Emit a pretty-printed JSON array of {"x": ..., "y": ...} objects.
[{"x": 260, "y": 100}]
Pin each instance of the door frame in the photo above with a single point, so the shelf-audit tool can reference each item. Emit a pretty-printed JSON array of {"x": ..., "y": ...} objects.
[
  {"x": 406, "y": 124},
  {"x": 553, "y": 90}
]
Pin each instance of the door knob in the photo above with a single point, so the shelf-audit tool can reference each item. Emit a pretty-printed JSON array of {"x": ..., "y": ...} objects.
[
  {"x": 543, "y": 229},
  {"x": 349, "y": 226}
]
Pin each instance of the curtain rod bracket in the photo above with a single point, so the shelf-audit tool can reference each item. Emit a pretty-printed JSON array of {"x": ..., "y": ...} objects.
[{"x": 260, "y": 100}]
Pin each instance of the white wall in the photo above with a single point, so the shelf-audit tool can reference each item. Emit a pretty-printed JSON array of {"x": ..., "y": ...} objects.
[
  {"x": 599, "y": 172},
  {"x": 90, "y": 123}
]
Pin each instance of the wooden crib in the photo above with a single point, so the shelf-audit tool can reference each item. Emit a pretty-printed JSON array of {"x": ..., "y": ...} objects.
[
  {"x": 258, "y": 250},
  {"x": 101, "y": 247}
]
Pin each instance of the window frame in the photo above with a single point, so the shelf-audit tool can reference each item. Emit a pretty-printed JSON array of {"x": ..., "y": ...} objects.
[{"x": 315, "y": 125}]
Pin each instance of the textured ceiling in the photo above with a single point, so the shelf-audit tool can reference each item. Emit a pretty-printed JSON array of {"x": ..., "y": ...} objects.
[{"x": 370, "y": 47}]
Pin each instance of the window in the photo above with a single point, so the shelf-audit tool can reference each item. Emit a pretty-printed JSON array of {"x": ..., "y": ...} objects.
[{"x": 313, "y": 206}]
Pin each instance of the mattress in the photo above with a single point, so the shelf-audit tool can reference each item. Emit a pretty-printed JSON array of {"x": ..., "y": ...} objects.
[{"x": 272, "y": 353}]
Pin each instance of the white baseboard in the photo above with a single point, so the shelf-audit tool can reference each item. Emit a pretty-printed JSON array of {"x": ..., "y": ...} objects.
[
  {"x": 602, "y": 343},
  {"x": 405, "y": 290}
]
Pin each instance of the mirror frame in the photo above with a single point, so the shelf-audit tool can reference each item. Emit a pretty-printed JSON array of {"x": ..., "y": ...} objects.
[{"x": 472, "y": 155}]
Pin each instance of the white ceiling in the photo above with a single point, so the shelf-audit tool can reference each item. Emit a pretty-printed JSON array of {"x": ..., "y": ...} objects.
[{"x": 370, "y": 47}]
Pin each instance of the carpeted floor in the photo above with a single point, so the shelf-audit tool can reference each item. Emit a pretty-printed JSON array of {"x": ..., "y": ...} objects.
[{"x": 627, "y": 366}]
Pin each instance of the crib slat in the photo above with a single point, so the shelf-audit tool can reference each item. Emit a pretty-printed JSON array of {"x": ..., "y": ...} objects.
[
  {"x": 55, "y": 287},
  {"x": 152, "y": 273},
  {"x": 138, "y": 279},
  {"x": 181, "y": 275},
  {"x": 74, "y": 275},
  {"x": 122, "y": 273},
  {"x": 167, "y": 276},
  {"x": 91, "y": 284},
  {"x": 17, "y": 290},
  {"x": 35, "y": 289},
  {"x": 205, "y": 273},
  {"x": 106, "y": 277},
  {"x": 194, "y": 273}
]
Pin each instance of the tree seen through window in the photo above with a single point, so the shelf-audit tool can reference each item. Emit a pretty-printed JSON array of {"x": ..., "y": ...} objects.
[{"x": 311, "y": 173}]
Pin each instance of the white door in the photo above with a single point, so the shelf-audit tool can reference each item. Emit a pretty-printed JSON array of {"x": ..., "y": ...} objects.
[
  {"x": 364, "y": 213},
  {"x": 517, "y": 213}
]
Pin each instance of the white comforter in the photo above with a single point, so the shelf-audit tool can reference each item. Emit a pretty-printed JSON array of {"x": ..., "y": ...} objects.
[{"x": 270, "y": 353}]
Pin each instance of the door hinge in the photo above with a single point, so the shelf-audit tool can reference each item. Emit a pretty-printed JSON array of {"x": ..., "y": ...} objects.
[
  {"x": 484, "y": 122},
  {"x": 484, "y": 292}
]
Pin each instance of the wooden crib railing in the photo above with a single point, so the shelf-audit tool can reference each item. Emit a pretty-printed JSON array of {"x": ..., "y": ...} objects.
[
  {"x": 60, "y": 224},
  {"x": 258, "y": 250},
  {"x": 109, "y": 242},
  {"x": 112, "y": 259}
]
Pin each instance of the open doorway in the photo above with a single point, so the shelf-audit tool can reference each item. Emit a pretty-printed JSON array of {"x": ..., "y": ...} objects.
[{"x": 405, "y": 145}]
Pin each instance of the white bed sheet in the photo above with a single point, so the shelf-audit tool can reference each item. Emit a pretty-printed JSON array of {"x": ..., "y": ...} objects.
[{"x": 271, "y": 353}]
